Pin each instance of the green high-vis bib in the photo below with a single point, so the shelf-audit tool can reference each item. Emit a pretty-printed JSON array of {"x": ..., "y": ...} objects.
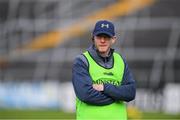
[{"x": 100, "y": 75}]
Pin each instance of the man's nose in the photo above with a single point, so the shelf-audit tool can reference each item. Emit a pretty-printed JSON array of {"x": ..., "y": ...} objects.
[{"x": 102, "y": 39}]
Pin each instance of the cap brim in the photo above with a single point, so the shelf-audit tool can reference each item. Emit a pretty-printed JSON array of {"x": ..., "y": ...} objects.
[{"x": 103, "y": 32}]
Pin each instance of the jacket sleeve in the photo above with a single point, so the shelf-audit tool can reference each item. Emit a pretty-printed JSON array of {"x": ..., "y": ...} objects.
[
  {"x": 126, "y": 91},
  {"x": 82, "y": 84}
]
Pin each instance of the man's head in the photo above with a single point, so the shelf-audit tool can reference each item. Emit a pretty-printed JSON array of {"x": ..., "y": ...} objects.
[
  {"x": 104, "y": 36},
  {"x": 105, "y": 27}
]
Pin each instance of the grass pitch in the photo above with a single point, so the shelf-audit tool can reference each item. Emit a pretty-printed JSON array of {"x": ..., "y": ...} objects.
[{"x": 56, "y": 114}]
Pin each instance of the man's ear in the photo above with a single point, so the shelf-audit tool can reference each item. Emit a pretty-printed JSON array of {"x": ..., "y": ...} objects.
[
  {"x": 92, "y": 37},
  {"x": 114, "y": 38}
]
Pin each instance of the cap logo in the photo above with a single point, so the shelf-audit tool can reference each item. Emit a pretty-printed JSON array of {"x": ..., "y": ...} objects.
[{"x": 103, "y": 25}]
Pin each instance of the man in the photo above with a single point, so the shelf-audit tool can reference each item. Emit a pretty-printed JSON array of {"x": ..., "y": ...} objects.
[{"x": 101, "y": 78}]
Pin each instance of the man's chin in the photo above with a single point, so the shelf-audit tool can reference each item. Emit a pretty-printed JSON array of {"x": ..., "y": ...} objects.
[{"x": 103, "y": 49}]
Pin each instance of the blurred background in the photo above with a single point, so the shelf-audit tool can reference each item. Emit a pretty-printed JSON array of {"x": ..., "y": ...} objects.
[{"x": 39, "y": 40}]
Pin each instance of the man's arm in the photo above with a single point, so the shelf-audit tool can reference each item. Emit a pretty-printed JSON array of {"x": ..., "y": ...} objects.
[
  {"x": 82, "y": 84},
  {"x": 126, "y": 91}
]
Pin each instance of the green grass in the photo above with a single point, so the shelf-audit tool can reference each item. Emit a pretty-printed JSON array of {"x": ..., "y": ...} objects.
[
  {"x": 160, "y": 116},
  {"x": 56, "y": 114},
  {"x": 35, "y": 114}
]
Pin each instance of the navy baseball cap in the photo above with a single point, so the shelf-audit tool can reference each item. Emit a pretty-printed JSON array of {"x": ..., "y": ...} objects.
[{"x": 104, "y": 27}]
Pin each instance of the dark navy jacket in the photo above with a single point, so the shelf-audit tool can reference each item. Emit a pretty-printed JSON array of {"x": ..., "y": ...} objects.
[{"x": 82, "y": 81}]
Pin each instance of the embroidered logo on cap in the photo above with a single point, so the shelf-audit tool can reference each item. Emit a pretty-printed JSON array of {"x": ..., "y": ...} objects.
[{"x": 103, "y": 25}]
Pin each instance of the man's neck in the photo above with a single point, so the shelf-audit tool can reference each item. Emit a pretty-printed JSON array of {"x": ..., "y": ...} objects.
[{"x": 105, "y": 54}]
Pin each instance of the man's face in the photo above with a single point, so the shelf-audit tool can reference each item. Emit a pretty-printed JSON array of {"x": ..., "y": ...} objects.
[{"x": 103, "y": 43}]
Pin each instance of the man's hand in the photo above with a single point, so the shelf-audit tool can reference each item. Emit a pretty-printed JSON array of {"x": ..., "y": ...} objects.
[{"x": 98, "y": 87}]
